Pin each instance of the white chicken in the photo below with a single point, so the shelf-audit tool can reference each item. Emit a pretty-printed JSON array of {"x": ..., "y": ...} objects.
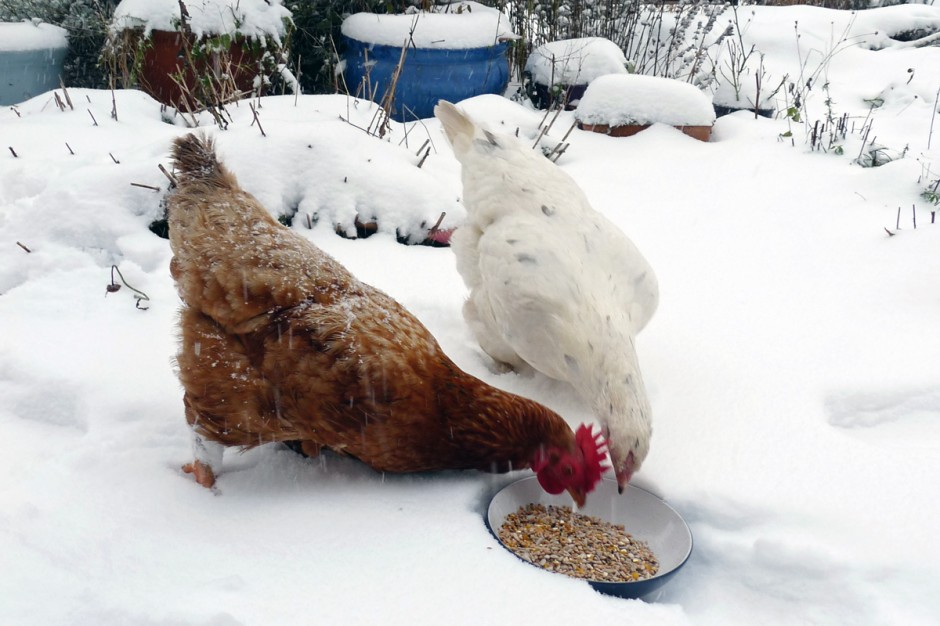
[{"x": 553, "y": 283}]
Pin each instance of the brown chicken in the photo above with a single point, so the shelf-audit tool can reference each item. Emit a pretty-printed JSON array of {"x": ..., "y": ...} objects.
[{"x": 281, "y": 343}]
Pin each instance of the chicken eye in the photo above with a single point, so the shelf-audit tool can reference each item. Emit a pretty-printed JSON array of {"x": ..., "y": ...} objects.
[{"x": 567, "y": 469}]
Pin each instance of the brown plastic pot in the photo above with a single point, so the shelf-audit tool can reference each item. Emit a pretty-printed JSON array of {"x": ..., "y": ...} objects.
[
  {"x": 164, "y": 58},
  {"x": 702, "y": 133}
]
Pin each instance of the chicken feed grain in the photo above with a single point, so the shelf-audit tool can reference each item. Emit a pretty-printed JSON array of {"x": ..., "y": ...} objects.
[{"x": 559, "y": 540}]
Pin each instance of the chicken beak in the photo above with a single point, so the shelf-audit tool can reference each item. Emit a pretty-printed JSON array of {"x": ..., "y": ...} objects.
[
  {"x": 624, "y": 473},
  {"x": 577, "y": 494}
]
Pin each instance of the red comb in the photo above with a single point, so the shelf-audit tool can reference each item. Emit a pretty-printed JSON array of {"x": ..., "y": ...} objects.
[{"x": 593, "y": 448}]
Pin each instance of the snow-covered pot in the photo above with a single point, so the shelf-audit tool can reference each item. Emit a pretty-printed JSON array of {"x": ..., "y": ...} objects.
[
  {"x": 164, "y": 61},
  {"x": 624, "y": 105},
  {"x": 450, "y": 56},
  {"x": 31, "y": 58},
  {"x": 223, "y": 38},
  {"x": 568, "y": 66}
]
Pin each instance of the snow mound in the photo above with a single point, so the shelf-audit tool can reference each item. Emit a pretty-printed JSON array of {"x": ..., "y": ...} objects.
[
  {"x": 31, "y": 36},
  {"x": 618, "y": 100},
  {"x": 249, "y": 18},
  {"x": 575, "y": 61}
]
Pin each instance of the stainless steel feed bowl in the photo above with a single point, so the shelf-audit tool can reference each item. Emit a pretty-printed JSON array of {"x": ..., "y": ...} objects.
[{"x": 642, "y": 514}]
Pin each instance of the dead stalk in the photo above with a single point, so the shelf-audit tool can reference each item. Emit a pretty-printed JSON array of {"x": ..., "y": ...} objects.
[
  {"x": 172, "y": 179},
  {"x": 254, "y": 113},
  {"x": 65, "y": 92},
  {"x": 146, "y": 186}
]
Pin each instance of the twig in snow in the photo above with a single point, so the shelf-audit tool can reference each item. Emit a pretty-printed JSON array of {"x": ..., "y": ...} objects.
[
  {"x": 173, "y": 181},
  {"x": 254, "y": 113},
  {"x": 426, "y": 153},
  {"x": 24, "y": 247},
  {"x": 15, "y": 110},
  {"x": 113, "y": 159},
  {"x": 65, "y": 92},
  {"x": 92, "y": 117},
  {"x": 114, "y": 114},
  {"x": 72, "y": 152},
  {"x": 914, "y": 215},
  {"x": 141, "y": 296},
  {"x": 58, "y": 101},
  {"x": 890, "y": 234},
  {"x": 13, "y": 151},
  {"x": 936, "y": 102},
  {"x": 554, "y": 159},
  {"x": 897, "y": 224},
  {"x": 146, "y": 186},
  {"x": 437, "y": 225}
]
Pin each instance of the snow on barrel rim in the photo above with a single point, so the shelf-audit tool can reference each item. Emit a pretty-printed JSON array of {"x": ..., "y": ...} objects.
[
  {"x": 620, "y": 100},
  {"x": 476, "y": 27},
  {"x": 31, "y": 35}
]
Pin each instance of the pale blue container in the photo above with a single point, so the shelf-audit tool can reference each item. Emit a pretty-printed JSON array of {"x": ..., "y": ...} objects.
[{"x": 31, "y": 60}]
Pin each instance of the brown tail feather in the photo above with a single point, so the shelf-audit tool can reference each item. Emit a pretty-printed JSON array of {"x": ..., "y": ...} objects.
[{"x": 194, "y": 160}]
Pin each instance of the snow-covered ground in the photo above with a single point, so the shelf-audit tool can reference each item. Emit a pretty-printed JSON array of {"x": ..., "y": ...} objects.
[{"x": 793, "y": 366}]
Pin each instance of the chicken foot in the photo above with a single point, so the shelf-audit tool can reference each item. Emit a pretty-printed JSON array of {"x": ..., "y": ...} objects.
[{"x": 208, "y": 460}]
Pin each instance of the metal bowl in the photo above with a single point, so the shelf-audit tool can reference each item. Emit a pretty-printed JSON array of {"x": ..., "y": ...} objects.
[{"x": 642, "y": 514}]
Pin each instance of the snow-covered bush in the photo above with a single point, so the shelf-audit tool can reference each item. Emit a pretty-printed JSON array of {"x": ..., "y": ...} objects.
[
  {"x": 553, "y": 68},
  {"x": 658, "y": 39}
]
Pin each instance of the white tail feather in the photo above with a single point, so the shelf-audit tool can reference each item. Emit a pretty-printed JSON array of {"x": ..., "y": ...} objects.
[{"x": 458, "y": 127}]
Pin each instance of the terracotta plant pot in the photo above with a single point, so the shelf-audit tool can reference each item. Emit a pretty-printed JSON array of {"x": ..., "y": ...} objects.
[
  {"x": 164, "y": 59},
  {"x": 702, "y": 133}
]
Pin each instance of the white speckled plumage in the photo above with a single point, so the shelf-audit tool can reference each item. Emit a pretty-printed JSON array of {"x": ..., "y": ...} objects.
[{"x": 553, "y": 283}]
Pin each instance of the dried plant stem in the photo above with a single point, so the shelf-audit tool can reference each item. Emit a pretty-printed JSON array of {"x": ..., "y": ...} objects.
[
  {"x": 13, "y": 152},
  {"x": 146, "y": 186},
  {"x": 114, "y": 113},
  {"x": 72, "y": 152},
  {"x": 92, "y": 117},
  {"x": 254, "y": 113},
  {"x": 24, "y": 247},
  {"x": 140, "y": 295},
  {"x": 172, "y": 179},
  {"x": 426, "y": 154},
  {"x": 936, "y": 108}
]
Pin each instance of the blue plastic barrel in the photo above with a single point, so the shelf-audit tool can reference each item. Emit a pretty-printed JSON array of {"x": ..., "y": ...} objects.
[{"x": 428, "y": 74}]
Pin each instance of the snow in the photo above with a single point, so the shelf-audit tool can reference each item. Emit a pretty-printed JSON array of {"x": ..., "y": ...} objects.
[
  {"x": 575, "y": 61},
  {"x": 622, "y": 99},
  {"x": 791, "y": 366},
  {"x": 250, "y": 18},
  {"x": 457, "y": 29},
  {"x": 31, "y": 36}
]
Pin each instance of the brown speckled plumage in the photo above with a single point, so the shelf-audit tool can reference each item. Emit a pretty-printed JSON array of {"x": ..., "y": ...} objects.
[{"x": 280, "y": 342}]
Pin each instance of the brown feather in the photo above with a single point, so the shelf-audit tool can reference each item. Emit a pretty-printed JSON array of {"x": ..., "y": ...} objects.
[{"x": 280, "y": 342}]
